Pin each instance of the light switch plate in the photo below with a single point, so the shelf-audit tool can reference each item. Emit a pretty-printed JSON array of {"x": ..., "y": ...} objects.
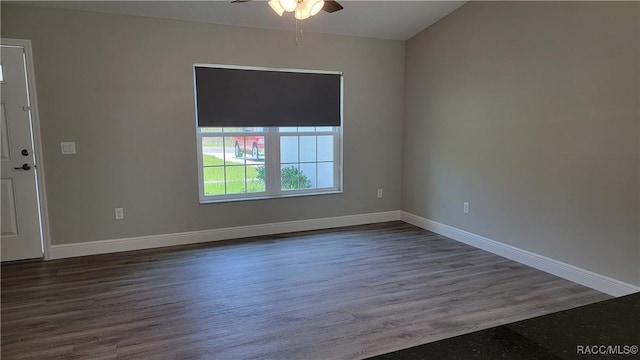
[{"x": 68, "y": 148}]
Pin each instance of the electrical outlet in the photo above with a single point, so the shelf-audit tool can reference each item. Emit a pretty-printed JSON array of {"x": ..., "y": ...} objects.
[
  {"x": 379, "y": 193},
  {"x": 119, "y": 213},
  {"x": 465, "y": 207}
]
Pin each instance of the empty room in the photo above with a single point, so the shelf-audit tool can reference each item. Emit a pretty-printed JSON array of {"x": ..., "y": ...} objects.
[{"x": 308, "y": 179}]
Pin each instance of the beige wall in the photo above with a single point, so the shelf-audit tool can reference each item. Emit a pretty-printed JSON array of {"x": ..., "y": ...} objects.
[
  {"x": 121, "y": 88},
  {"x": 530, "y": 112}
]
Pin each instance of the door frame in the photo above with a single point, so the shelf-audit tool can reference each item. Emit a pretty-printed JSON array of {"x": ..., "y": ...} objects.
[{"x": 37, "y": 143}]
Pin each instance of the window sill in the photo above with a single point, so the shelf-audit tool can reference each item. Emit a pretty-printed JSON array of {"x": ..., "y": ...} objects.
[{"x": 217, "y": 201}]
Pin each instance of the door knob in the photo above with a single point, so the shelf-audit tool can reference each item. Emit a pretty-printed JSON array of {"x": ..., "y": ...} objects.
[
  {"x": 25, "y": 167},
  {"x": 24, "y": 152}
]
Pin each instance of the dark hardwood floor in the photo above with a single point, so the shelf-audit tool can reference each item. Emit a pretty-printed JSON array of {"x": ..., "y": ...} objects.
[{"x": 345, "y": 293}]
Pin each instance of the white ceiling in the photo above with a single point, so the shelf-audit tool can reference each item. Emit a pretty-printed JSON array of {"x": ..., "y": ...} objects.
[{"x": 396, "y": 20}]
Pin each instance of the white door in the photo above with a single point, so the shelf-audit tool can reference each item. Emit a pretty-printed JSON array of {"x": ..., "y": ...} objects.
[{"x": 21, "y": 231}]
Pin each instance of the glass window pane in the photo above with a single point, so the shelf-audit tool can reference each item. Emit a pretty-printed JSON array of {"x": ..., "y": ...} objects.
[
  {"x": 288, "y": 129},
  {"x": 289, "y": 177},
  {"x": 213, "y": 178},
  {"x": 308, "y": 176},
  {"x": 235, "y": 179},
  {"x": 307, "y": 129},
  {"x": 233, "y": 146},
  {"x": 288, "y": 149},
  {"x": 324, "y": 128},
  {"x": 254, "y": 148},
  {"x": 325, "y": 174},
  {"x": 325, "y": 148},
  {"x": 210, "y": 129},
  {"x": 307, "y": 148},
  {"x": 256, "y": 179},
  {"x": 250, "y": 148},
  {"x": 233, "y": 129},
  {"x": 212, "y": 151},
  {"x": 211, "y": 141},
  {"x": 253, "y": 129}
]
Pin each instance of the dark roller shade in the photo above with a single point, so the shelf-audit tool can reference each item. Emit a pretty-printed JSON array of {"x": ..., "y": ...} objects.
[{"x": 244, "y": 98}]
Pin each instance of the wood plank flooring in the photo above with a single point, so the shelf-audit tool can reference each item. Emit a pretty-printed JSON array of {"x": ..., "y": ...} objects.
[{"x": 346, "y": 293}]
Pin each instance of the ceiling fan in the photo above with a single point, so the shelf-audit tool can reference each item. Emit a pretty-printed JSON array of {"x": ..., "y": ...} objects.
[{"x": 302, "y": 9}]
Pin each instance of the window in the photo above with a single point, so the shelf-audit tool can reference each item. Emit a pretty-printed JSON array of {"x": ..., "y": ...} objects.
[{"x": 252, "y": 162}]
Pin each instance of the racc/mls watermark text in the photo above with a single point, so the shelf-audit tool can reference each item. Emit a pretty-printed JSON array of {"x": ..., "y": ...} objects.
[{"x": 606, "y": 349}]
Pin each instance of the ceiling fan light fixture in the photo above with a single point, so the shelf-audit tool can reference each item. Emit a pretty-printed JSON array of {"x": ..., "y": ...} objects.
[
  {"x": 303, "y": 10},
  {"x": 288, "y": 5},
  {"x": 308, "y": 8},
  {"x": 275, "y": 5},
  {"x": 316, "y": 6}
]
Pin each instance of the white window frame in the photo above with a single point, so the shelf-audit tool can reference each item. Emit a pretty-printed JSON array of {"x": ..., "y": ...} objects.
[
  {"x": 272, "y": 166},
  {"x": 272, "y": 154}
]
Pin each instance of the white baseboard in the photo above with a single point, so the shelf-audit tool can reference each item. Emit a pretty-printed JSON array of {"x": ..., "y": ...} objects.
[
  {"x": 194, "y": 237},
  {"x": 584, "y": 277}
]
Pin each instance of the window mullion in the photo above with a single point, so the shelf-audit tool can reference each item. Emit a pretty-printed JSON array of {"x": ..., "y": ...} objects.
[{"x": 272, "y": 161}]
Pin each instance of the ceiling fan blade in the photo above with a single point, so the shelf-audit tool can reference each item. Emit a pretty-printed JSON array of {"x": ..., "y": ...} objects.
[{"x": 331, "y": 6}]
